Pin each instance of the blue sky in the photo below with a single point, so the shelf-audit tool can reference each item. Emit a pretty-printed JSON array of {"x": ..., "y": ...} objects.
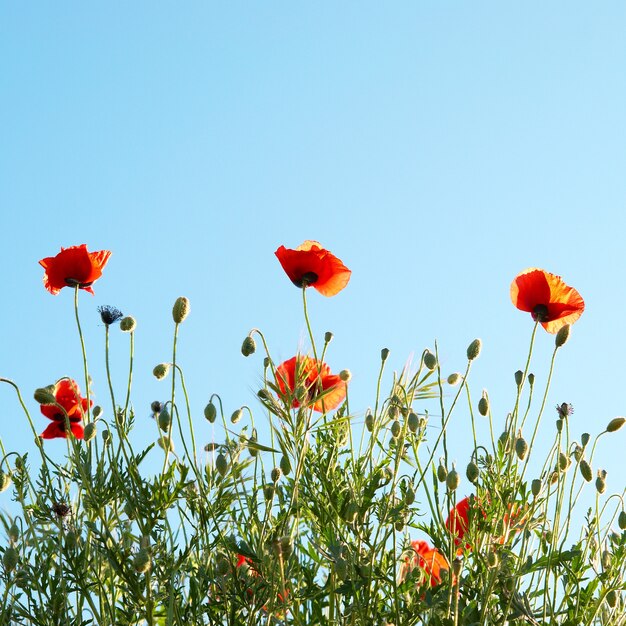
[{"x": 437, "y": 148}]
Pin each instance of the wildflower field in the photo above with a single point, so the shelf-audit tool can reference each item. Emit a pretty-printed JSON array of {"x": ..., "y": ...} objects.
[{"x": 299, "y": 513}]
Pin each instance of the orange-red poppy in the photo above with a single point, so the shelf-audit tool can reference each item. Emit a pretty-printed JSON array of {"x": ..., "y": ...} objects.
[
  {"x": 73, "y": 266},
  {"x": 428, "y": 559},
  {"x": 245, "y": 565},
  {"x": 458, "y": 520},
  {"x": 547, "y": 298},
  {"x": 310, "y": 265},
  {"x": 67, "y": 396},
  {"x": 312, "y": 382}
]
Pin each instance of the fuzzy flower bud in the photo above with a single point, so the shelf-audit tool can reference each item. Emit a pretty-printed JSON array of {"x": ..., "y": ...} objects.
[
  {"x": 71, "y": 540},
  {"x": 615, "y": 424},
  {"x": 585, "y": 470},
  {"x": 483, "y": 404},
  {"x": 535, "y": 487},
  {"x": 161, "y": 370},
  {"x": 10, "y": 559},
  {"x": 409, "y": 496},
  {"x": 236, "y": 416},
  {"x": 369, "y": 421},
  {"x": 413, "y": 422},
  {"x": 248, "y": 346},
  {"x": 584, "y": 439},
  {"x": 442, "y": 472},
  {"x": 275, "y": 474},
  {"x": 142, "y": 561},
  {"x": 519, "y": 377},
  {"x": 90, "y": 431},
  {"x": 454, "y": 378},
  {"x": 473, "y": 350},
  {"x": 210, "y": 412},
  {"x": 166, "y": 443},
  {"x": 345, "y": 375},
  {"x": 221, "y": 464},
  {"x": 128, "y": 324},
  {"x": 562, "y": 336},
  {"x": 601, "y": 481},
  {"x": 621, "y": 520},
  {"x": 14, "y": 533},
  {"x": 564, "y": 461},
  {"x": 452, "y": 479},
  {"x": 430, "y": 360},
  {"x": 396, "y": 429},
  {"x": 96, "y": 411},
  {"x": 611, "y": 598},
  {"x": 531, "y": 379},
  {"x": 268, "y": 492},
  {"x": 180, "y": 310},
  {"x": 521, "y": 448},
  {"x": 45, "y": 395},
  {"x": 492, "y": 560},
  {"x": 285, "y": 465},
  {"x": 472, "y": 472},
  {"x": 165, "y": 420}
]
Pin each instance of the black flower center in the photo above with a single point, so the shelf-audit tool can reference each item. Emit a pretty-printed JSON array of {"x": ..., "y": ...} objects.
[
  {"x": 308, "y": 278},
  {"x": 73, "y": 282},
  {"x": 540, "y": 313}
]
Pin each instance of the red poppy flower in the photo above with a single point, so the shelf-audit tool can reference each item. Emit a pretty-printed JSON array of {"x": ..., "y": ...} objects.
[
  {"x": 428, "y": 559},
  {"x": 310, "y": 265},
  {"x": 327, "y": 391},
  {"x": 67, "y": 395},
  {"x": 73, "y": 266},
  {"x": 458, "y": 520},
  {"x": 550, "y": 301}
]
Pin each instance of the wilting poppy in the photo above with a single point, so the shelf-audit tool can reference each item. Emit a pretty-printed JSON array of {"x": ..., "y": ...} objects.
[
  {"x": 73, "y": 266},
  {"x": 547, "y": 298},
  {"x": 310, "y": 265},
  {"x": 428, "y": 559},
  {"x": 67, "y": 395},
  {"x": 312, "y": 382}
]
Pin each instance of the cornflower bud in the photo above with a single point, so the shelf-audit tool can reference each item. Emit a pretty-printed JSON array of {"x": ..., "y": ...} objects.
[
  {"x": 221, "y": 464},
  {"x": 285, "y": 465},
  {"x": 601, "y": 481},
  {"x": 472, "y": 472},
  {"x": 210, "y": 412},
  {"x": 452, "y": 479},
  {"x": 430, "y": 360},
  {"x": 615, "y": 424},
  {"x": 585, "y": 470},
  {"x": 180, "y": 310},
  {"x": 521, "y": 447},
  {"x": 128, "y": 324},
  {"x": 473, "y": 350},
  {"x": 519, "y": 377},
  {"x": 161, "y": 370},
  {"x": 413, "y": 422},
  {"x": 535, "y": 487},
  {"x": 90, "y": 431},
  {"x": 236, "y": 416},
  {"x": 442, "y": 472},
  {"x": 562, "y": 336},
  {"x": 276, "y": 474},
  {"x": 483, "y": 404},
  {"x": 248, "y": 346}
]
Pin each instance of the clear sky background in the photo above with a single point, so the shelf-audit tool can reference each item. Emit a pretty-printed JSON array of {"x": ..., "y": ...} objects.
[{"x": 438, "y": 148}]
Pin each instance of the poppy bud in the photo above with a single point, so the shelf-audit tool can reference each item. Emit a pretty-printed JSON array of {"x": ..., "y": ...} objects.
[
  {"x": 285, "y": 465},
  {"x": 578, "y": 453},
  {"x": 531, "y": 379},
  {"x": 351, "y": 512},
  {"x": 521, "y": 448},
  {"x": 615, "y": 424},
  {"x": 564, "y": 461},
  {"x": 236, "y": 416},
  {"x": 96, "y": 411},
  {"x": 562, "y": 336},
  {"x": 442, "y": 473},
  {"x": 369, "y": 421},
  {"x": 611, "y": 598},
  {"x": 559, "y": 425},
  {"x": 585, "y": 470},
  {"x": 275, "y": 474},
  {"x": 248, "y": 346},
  {"x": 492, "y": 560},
  {"x": 221, "y": 464},
  {"x": 222, "y": 565},
  {"x": 5, "y": 481},
  {"x": 166, "y": 443},
  {"x": 535, "y": 487},
  {"x": 473, "y": 350},
  {"x": 396, "y": 429},
  {"x": 399, "y": 525},
  {"x": 483, "y": 404},
  {"x": 601, "y": 481},
  {"x": 504, "y": 441},
  {"x": 253, "y": 439},
  {"x": 128, "y": 324},
  {"x": 45, "y": 395},
  {"x": 10, "y": 558},
  {"x": 14, "y": 533},
  {"x": 409, "y": 496},
  {"x": 605, "y": 560},
  {"x": 161, "y": 370},
  {"x": 345, "y": 375},
  {"x": 452, "y": 479},
  {"x": 180, "y": 310},
  {"x": 457, "y": 566},
  {"x": 106, "y": 436},
  {"x": 472, "y": 472},
  {"x": 365, "y": 570},
  {"x": 454, "y": 378},
  {"x": 384, "y": 353},
  {"x": 430, "y": 360},
  {"x": 621, "y": 520},
  {"x": 90, "y": 431},
  {"x": 413, "y": 422},
  {"x": 519, "y": 377},
  {"x": 328, "y": 337},
  {"x": 164, "y": 419},
  {"x": 142, "y": 561},
  {"x": 70, "y": 540},
  {"x": 268, "y": 492},
  {"x": 584, "y": 439},
  {"x": 210, "y": 412},
  {"x": 341, "y": 568},
  {"x": 553, "y": 478}
]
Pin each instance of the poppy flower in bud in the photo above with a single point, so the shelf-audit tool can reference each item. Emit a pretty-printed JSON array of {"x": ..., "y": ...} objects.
[
  {"x": 67, "y": 396},
  {"x": 428, "y": 559},
  {"x": 73, "y": 266},
  {"x": 324, "y": 390},
  {"x": 310, "y": 265},
  {"x": 547, "y": 298}
]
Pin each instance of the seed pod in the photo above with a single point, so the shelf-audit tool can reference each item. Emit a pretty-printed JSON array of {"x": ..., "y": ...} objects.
[
  {"x": 369, "y": 421},
  {"x": 413, "y": 422},
  {"x": 483, "y": 404},
  {"x": 10, "y": 558},
  {"x": 221, "y": 464},
  {"x": 584, "y": 439},
  {"x": 611, "y": 598},
  {"x": 562, "y": 336},
  {"x": 210, "y": 412},
  {"x": 621, "y": 520},
  {"x": 472, "y": 472},
  {"x": 535, "y": 487},
  {"x": 442, "y": 473},
  {"x": 384, "y": 353},
  {"x": 161, "y": 370},
  {"x": 285, "y": 465},
  {"x": 452, "y": 479},
  {"x": 128, "y": 324},
  {"x": 585, "y": 470},
  {"x": 601, "y": 481},
  {"x": 473, "y": 350},
  {"x": 248, "y": 346},
  {"x": 454, "y": 378},
  {"x": 236, "y": 416},
  {"x": 519, "y": 377},
  {"x": 615, "y": 424},
  {"x": 142, "y": 561},
  {"x": 396, "y": 429},
  {"x": 275, "y": 474},
  {"x": 430, "y": 360},
  {"x": 521, "y": 448},
  {"x": 5, "y": 481},
  {"x": 180, "y": 310},
  {"x": 165, "y": 420}
]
